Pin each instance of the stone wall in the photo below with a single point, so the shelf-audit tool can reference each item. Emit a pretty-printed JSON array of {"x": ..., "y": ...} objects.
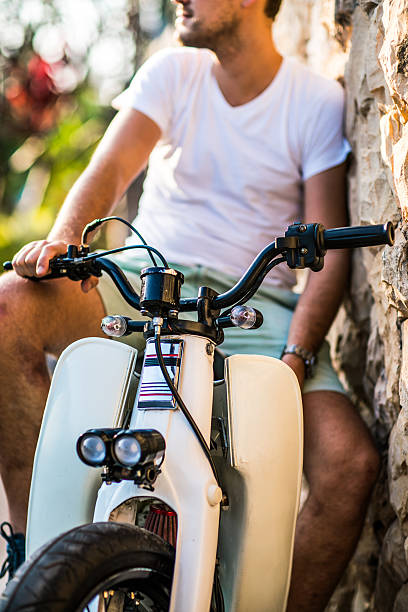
[{"x": 368, "y": 44}]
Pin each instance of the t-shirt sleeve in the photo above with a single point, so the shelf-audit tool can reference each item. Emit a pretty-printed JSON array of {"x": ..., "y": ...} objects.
[
  {"x": 150, "y": 90},
  {"x": 324, "y": 144}
]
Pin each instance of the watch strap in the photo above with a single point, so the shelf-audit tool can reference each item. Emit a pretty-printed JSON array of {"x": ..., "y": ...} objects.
[{"x": 309, "y": 358}]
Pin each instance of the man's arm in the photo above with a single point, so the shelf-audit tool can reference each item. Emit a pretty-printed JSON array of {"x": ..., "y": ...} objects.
[
  {"x": 121, "y": 155},
  {"x": 324, "y": 202}
]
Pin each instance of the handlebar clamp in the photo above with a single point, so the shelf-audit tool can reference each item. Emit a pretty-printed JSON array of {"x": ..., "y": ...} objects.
[{"x": 307, "y": 250}]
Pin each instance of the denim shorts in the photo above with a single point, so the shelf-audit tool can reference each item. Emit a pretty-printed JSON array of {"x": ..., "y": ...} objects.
[{"x": 276, "y": 305}]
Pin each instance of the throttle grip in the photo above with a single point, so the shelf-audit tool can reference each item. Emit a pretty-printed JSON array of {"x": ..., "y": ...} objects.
[
  {"x": 359, "y": 236},
  {"x": 8, "y": 265}
]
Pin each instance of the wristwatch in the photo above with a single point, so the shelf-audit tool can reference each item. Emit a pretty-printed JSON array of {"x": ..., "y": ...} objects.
[{"x": 309, "y": 359}]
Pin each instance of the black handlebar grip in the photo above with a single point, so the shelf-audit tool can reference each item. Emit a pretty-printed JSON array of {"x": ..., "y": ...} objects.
[
  {"x": 7, "y": 265},
  {"x": 359, "y": 236}
]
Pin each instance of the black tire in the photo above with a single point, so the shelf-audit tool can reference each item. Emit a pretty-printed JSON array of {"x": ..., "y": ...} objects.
[{"x": 65, "y": 574}]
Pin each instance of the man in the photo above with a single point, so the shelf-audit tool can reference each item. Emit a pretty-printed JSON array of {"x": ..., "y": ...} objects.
[{"x": 243, "y": 141}]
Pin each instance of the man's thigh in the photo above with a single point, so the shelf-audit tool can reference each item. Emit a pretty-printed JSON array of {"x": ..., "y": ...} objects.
[{"x": 49, "y": 314}]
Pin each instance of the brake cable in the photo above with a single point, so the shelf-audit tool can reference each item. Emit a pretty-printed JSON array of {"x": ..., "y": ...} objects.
[
  {"x": 183, "y": 407},
  {"x": 148, "y": 248},
  {"x": 93, "y": 225},
  {"x": 173, "y": 388}
]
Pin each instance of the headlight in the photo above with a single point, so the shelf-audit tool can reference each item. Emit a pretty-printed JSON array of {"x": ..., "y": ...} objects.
[
  {"x": 138, "y": 446},
  {"x": 91, "y": 449},
  {"x": 127, "y": 450}
]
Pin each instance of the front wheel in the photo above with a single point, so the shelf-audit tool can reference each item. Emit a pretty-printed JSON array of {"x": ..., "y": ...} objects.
[{"x": 101, "y": 567}]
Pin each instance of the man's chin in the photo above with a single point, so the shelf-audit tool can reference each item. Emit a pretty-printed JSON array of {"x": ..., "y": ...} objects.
[
  {"x": 187, "y": 38},
  {"x": 186, "y": 41},
  {"x": 187, "y": 34}
]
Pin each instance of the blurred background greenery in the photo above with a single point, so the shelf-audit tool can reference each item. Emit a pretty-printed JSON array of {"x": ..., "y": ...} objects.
[{"x": 61, "y": 63}]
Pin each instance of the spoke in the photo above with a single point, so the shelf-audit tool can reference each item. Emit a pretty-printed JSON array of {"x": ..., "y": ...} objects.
[
  {"x": 140, "y": 601},
  {"x": 106, "y": 602}
]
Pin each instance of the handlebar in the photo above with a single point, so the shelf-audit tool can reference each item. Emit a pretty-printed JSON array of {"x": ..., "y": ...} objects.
[{"x": 304, "y": 245}]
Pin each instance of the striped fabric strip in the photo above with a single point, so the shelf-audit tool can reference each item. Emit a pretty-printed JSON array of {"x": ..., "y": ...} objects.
[{"x": 154, "y": 393}]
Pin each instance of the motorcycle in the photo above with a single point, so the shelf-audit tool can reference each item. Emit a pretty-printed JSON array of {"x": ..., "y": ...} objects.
[{"x": 184, "y": 490}]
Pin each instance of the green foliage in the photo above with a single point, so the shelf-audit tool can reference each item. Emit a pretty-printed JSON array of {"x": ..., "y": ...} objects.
[
  {"x": 47, "y": 133},
  {"x": 40, "y": 189}
]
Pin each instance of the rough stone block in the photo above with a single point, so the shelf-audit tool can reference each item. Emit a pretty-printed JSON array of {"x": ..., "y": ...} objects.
[{"x": 401, "y": 601}]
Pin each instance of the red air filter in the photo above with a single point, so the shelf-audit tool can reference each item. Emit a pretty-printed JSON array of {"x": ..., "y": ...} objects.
[{"x": 163, "y": 522}]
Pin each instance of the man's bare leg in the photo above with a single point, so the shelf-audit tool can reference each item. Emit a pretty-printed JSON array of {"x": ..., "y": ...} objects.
[
  {"x": 341, "y": 466},
  {"x": 34, "y": 318}
]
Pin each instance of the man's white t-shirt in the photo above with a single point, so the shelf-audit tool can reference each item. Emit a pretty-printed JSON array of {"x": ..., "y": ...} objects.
[{"x": 224, "y": 181}]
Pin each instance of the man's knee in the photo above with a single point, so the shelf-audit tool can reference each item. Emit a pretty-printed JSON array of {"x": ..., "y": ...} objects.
[
  {"x": 344, "y": 488},
  {"x": 51, "y": 314},
  {"x": 342, "y": 462},
  {"x": 351, "y": 469},
  {"x": 366, "y": 464},
  {"x": 15, "y": 302},
  {"x": 24, "y": 304}
]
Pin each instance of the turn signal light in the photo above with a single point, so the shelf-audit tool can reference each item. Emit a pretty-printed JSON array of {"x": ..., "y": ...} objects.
[{"x": 114, "y": 325}]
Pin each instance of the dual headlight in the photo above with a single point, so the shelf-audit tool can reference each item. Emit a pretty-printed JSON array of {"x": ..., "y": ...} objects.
[{"x": 125, "y": 447}]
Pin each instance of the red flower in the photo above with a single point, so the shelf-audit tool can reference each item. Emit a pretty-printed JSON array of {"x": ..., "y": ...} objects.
[{"x": 32, "y": 96}]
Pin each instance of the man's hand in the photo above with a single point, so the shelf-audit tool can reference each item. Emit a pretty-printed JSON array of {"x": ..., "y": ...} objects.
[
  {"x": 298, "y": 366},
  {"x": 34, "y": 258}
]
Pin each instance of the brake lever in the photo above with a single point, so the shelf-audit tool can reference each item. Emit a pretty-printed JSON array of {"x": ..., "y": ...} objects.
[{"x": 74, "y": 268}]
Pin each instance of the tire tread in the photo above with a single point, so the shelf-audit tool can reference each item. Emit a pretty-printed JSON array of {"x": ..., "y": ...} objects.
[{"x": 44, "y": 582}]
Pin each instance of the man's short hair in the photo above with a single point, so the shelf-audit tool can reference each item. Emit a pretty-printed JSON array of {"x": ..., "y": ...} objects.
[{"x": 272, "y": 7}]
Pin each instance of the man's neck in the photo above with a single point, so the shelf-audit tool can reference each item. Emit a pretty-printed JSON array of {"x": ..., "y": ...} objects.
[{"x": 242, "y": 74}]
